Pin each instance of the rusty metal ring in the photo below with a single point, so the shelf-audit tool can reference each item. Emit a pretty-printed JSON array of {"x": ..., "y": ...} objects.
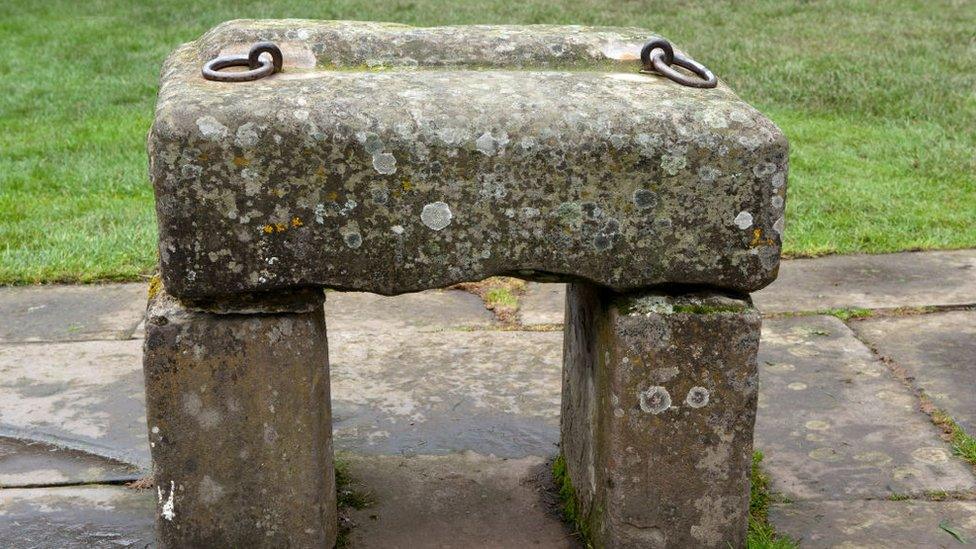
[
  {"x": 656, "y": 44},
  {"x": 258, "y": 67},
  {"x": 705, "y": 77}
]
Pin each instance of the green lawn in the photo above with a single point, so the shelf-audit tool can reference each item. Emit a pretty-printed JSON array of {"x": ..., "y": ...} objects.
[{"x": 878, "y": 99}]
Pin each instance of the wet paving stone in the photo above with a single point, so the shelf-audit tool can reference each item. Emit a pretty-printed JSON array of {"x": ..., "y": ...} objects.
[
  {"x": 542, "y": 303},
  {"x": 872, "y": 282},
  {"x": 876, "y": 524},
  {"x": 460, "y": 500},
  {"x": 88, "y": 396},
  {"x": 70, "y": 313},
  {"x": 938, "y": 351},
  {"x": 834, "y": 424},
  {"x": 25, "y": 463},
  {"x": 77, "y": 517},
  {"x": 491, "y": 392}
]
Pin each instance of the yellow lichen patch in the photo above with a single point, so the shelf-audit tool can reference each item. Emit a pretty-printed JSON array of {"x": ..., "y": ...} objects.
[
  {"x": 332, "y": 196},
  {"x": 279, "y": 192},
  {"x": 280, "y": 227},
  {"x": 155, "y": 286},
  {"x": 320, "y": 172},
  {"x": 296, "y": 222},
  {"x": 268, "y": 229},
  {"x": 240, "y": 161},
  {"x": 203, "y": 157},
  {"x": 757, "y": 239},
  {"x": 407, "y": 185}
]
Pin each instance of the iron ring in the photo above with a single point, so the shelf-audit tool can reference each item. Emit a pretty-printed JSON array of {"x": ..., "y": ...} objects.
[
  {"x": 656, "y": 44},
  {"x": 705, "y": 77},
  {"x": 258, "y": 66}
]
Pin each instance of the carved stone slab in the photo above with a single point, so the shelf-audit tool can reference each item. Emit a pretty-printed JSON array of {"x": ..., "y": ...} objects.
[{"x": 390, "y": 159}]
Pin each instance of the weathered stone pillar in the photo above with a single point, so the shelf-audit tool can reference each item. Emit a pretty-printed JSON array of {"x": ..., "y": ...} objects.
[
  {"x": 240, "y": 424},
  {"x": 659, "y": 402}
]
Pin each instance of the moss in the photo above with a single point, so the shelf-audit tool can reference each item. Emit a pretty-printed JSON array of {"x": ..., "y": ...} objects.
[
  {"x": 567, "y": 495},
  {"x": 704, "y": 309},
  {"x": 846, "y": 314}
]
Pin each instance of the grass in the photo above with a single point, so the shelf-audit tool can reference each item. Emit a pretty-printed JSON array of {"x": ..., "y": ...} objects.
[
  {"x": 963, "y": 444},
  {"x": 761, "y": 533},
  {"x": 876, "y": 98},
  {"x": 500, "y": 295}
]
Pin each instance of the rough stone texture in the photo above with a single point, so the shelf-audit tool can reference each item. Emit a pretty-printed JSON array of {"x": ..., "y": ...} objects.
[
  {"x": 426, "y": 311},
  {"x": 391, "y": 159},
  {"x": 828, "y": 405},
  {"x": 542, "y": 304},
  {"x": 240, "y": 430},
  {"x": 86, "y": 396},
  {"x": 875, "y": 524},
  {"x": 913, "y": 279},
  {"x": 460, "y": 500},
  {"x": 25, "y": 463},
  {"x": 70, "y": 313},
  {"x": 434, "y": 393},
  {"x": 79, "y": 517},
  {"x": 938, "y": 351},
  {"x": 659, "y": 401}
]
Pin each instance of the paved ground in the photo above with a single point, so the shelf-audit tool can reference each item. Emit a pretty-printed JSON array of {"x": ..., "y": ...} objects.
[{"x": 448, "y": 419}]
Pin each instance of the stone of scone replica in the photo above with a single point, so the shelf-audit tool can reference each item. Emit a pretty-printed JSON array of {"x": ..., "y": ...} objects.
[
  {"x": 389, "y": 159},
  {"x": 658, "y": 407}
]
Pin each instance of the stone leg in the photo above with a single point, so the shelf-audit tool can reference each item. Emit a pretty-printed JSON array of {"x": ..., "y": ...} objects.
[
  {"x": 658, "y": 406},
  {"x": 240, "y": 427}
]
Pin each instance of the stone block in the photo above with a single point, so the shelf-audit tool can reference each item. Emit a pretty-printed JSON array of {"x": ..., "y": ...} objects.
[
  {"x": 239, "y": 427},
  {"x": 391, "y": 159},
  {"x": 659, "y": 403}
]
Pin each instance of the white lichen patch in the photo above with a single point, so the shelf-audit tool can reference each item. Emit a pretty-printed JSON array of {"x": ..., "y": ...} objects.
[
  {"x": 384, "y": 163},
  {"x": 436, "y": 215},
  {"x": 247, "y": 136},
  {"x": 743, "y": 220},
  {"x": 777, "y": 201},
  {"x": 697, "y": 397},
  {"x": 489, "y": 145},
  {"x": 397, "y": 229},
  {"x": 350, "y": 234},
  {"x": 673, "y": 164},
  {"x": 654, "y": 400},
  {"x": 211, "y": 129},
  {"x": 779, "y": 225}
]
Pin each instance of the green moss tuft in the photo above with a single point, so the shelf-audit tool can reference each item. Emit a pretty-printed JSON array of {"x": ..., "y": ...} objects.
[
  {"x": 567, "y": 495},
  {"x": 846, "y": 314}
]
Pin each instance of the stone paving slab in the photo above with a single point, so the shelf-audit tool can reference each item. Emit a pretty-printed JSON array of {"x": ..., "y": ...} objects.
[
  {"x": 78, "y": 517},
  {"x": 834, "y": 424},
  {"x": 460, "y": 500},
  {"x": 25, "y": 463},
  {"x": 86, "y": 395},
  {"x": 542, "y": 304},
  {"x": 875, "y": 524},
  {"x": 938, "y": 350},
  {"x": 70, "y": 313},
  {"x": 910, "y": 279},
  {"x": 430, "y": 393},
  {"x": 427, "y": 311},
  {"x": 855, "y": 281}
]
